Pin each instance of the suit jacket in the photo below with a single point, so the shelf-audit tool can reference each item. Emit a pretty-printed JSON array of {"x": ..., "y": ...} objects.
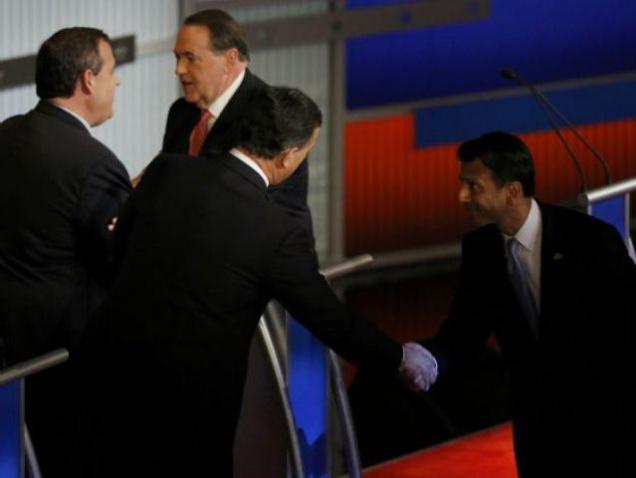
[
  {"x": 59, "y": 189},
  {"x": 204, "y": 249},
  {"x": 572, "y": 386},
  {"x": 183, "y": 116}
]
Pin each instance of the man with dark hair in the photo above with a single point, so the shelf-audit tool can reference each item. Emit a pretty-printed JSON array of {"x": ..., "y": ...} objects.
[
  {"x": 203, "y": 250},
  {"x": 556, "y": 288},
  {"x": 212, "y": 58},
  {"x": 59, "y": 190}
]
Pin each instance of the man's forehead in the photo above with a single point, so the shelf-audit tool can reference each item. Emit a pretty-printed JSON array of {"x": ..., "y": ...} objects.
[
  {"x": 474, "y": 170},
  {"x": 105, "y": 51},
  {"x": 193, "y": 37}
]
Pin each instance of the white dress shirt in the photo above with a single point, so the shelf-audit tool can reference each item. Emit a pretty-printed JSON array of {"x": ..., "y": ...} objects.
[
  {"x": 251, "y": 163},
  {"x": 75, "y": 115},
  {"x": 217, "y": 107},
  {"x": 529, "y": 236}
]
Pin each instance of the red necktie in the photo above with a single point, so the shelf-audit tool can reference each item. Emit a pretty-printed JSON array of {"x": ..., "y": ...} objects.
[{"x": 199, "y": 132}]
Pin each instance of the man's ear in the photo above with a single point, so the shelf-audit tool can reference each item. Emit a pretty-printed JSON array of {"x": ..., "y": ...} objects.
[
  {"x": 231, "y": 58},
  {"x": 87, "y": 82},
  {"x": 515, "y": 191},
  {"x": 286, "y": 157}
]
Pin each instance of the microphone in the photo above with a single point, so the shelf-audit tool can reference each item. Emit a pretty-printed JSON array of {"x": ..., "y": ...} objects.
[
  {"x": 512, "y": 75},
  {"x": 549, "y": 109}
]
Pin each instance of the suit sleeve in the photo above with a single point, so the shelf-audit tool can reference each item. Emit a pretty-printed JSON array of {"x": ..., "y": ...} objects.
[
  {"x": 106, "y": 187},
  {"x": 166, "y": 144},
  {"x": 469, "y": 323},
  {"x": 616, "y": 286},
  {"x": 180, "y": 121},
  {"x": 294, "y": 280},
  {"x": 149, "y": 187},
  {"x": 613, "y": 257}
]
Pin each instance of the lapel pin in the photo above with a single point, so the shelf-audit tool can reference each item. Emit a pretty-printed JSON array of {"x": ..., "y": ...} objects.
[{"x": 557, "y": 256}]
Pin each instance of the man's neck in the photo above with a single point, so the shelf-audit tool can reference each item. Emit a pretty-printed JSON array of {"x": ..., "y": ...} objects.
[
  {"x": 258, "y": 164},
  {"x": 234, "y": 82},
  {"x": 516, "y": 217},
  {"x": 73, "y": 105}
]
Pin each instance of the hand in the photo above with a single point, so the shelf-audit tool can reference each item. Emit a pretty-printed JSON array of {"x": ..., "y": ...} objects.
[
  {"x": 135, "y": 181},
  {"x": 418, "y": 367}
]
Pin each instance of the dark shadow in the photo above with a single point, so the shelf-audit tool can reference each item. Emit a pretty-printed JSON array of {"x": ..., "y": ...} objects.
[{"x": 392, "y": 421}]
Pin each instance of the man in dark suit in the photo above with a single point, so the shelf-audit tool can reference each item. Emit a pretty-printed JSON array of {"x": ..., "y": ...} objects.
[
  {"x": 556, "y": 287},
  {"x": 204, "y": 249},
  {"x": 212, "y": 59},
  {"x": 59, "y": 190}
]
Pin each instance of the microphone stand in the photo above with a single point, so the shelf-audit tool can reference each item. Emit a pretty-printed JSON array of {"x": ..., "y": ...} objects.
[{"x": 549, "y": 110}]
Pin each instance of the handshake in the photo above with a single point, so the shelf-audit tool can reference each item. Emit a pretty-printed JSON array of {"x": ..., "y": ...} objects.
[{"x": 418, "y": 368}]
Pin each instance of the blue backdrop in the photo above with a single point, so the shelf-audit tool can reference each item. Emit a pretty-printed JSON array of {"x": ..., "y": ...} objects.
[{"x": 545, "y": 40}]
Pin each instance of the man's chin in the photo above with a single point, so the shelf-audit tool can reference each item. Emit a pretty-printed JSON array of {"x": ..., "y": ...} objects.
[
  {"x": 101, "y": 120},
  {"x": 479, "y": 220},
  {"x": 190, "y": 96},
  {"x": 196, "y": 100}
]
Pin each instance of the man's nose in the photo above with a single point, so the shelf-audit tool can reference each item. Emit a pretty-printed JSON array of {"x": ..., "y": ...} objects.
[
  {"x": 463, "y": 195},
  {"x": 179, "y": 68}
]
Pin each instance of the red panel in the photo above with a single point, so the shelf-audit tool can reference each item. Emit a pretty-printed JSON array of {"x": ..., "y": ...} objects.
[
  {"x": 488, "y": 454},
  {"x": 395, "y": 195},
  {"x": 398, "y": 197}
]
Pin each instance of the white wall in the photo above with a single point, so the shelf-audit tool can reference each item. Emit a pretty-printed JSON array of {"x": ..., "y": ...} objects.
[
  {"x": 306, "y": 67},
  {"x": 148, "y": 85}
]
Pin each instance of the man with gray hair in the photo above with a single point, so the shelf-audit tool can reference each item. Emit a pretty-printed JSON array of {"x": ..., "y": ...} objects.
[{"x": 212, "y": 65}]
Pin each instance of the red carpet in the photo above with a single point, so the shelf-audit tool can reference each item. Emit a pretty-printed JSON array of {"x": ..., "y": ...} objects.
[{"x": 487, "y": 454}]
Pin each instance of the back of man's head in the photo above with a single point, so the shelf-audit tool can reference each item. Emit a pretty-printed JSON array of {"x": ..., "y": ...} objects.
[
  {"x": 279, "y": 119},
  {"x": 225, "y": 32},
  {"x": 63, "y": 58},
  {"x": 505, "y": 155}
]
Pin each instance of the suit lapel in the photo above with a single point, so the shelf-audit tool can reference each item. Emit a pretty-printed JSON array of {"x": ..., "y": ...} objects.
[
  {"x": 235, "y": 106},
  {"x": 500, "y": 264},
  {"x": 181, "y": 119},
  {"x": 505, "y": 289},
  {"x": 186, "y": 127},
  {"x": 218, "y": 138},
  {"x": 498, "y": 252},
  {"x": 551, "y": 258}
]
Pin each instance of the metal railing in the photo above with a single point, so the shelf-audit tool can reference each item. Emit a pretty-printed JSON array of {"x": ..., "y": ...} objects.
[
  {"x": 337, "y": 382},
  {"x": 19, "y": 372},
  {"x": 29, "y": 367}
]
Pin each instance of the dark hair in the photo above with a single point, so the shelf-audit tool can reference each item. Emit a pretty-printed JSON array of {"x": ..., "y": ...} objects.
[
  {"x": 279, "y": 118},
  {"x": 225, "y": 32},
  {"x": 506, "y": 155},
  {"x": 64, "y": 57}
]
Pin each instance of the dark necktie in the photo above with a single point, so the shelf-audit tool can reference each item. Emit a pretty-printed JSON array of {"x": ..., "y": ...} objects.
[
  {"x": 199, "y": 133},
  {"x": 519, "y": 278}
]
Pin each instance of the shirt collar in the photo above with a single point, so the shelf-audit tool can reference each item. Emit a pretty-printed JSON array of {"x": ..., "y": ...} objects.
[
  {"x": 529, "y": 232},
  {"x": 217, "y": 107},
  {"x": 76, "y": 116},
  {"x": 251, "y": 163}
]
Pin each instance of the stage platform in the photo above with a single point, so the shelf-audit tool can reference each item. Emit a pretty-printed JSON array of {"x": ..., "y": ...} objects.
[{"x": 486, "y": 454}]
